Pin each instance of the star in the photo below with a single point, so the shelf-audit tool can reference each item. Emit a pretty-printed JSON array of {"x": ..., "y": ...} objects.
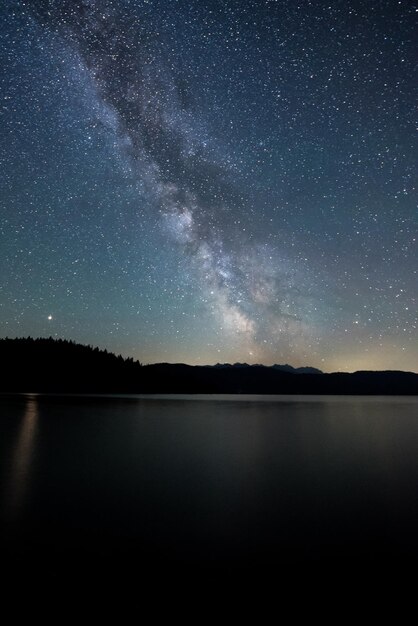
[{"x": 233, "y": 177}]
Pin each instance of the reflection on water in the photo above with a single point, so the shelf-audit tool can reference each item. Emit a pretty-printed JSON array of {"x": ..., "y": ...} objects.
[
  {"x": 248, "y": 482},
  {"x": 21, "y": 459}
]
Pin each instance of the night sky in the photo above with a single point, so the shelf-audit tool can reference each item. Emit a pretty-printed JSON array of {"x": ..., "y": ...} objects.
[{"x": 212, "y": 181}]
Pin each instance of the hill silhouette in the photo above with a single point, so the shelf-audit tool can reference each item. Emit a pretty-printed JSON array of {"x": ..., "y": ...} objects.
[{"x": 61, "y": 366}]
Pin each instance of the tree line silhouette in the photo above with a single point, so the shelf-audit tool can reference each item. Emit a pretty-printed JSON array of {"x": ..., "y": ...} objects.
[{"x": 62, "y": 366}]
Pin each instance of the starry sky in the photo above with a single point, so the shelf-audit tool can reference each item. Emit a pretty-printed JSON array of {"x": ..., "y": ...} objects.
[{"x": 212, "y": 181}]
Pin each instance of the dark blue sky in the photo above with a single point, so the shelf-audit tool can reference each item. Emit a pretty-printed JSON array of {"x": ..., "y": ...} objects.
[{"x": 212, "y": 181}]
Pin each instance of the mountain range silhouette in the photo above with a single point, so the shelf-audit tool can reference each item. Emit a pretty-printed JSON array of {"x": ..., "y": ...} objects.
[{"x": 61, "y": 366}]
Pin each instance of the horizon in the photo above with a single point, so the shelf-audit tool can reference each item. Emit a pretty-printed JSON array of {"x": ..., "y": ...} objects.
[
  {"x": 212, "y": 182},
  {"x": 223, "y": 363}
]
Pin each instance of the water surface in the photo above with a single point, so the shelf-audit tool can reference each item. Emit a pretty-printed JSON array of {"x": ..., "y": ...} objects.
[{"x": 219, "y": 482}]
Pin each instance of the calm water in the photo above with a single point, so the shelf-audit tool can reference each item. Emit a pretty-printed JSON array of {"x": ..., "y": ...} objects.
[{"x": 211, "y": 482}]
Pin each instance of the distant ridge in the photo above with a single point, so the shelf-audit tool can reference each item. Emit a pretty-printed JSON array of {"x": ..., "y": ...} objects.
[
  {"x": 282, "y": 368},
  {"x": 61, "y": 366},
  {"x": 298, "y": 370}
]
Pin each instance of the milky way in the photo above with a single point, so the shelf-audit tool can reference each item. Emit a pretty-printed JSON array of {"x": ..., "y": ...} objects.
[{"x": 212, "y": 181}]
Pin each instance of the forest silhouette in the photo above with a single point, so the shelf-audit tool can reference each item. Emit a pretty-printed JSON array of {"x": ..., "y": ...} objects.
[{"x": 61, "y": 366}]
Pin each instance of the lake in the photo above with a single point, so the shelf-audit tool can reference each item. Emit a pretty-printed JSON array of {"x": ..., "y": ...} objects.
[{"x": 216, "y": 483}]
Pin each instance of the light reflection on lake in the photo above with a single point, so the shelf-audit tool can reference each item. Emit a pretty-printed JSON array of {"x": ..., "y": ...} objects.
[
  {"x": 21, "y": 456},
  {"x": 219, "y": 481}
]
